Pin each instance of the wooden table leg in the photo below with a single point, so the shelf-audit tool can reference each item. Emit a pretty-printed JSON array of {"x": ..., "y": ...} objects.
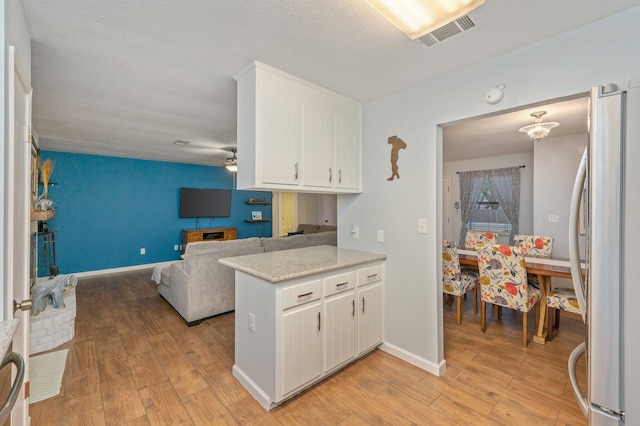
[{"x": 541, "y": 332}]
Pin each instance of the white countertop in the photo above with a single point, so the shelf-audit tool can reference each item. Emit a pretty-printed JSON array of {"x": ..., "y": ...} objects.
[
  {"x": 278, "y": 266},
  {"x": 7, "y": 330}
]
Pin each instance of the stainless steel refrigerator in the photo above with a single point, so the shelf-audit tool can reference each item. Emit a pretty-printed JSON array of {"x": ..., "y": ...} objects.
[{"x": 606, "y": 203}]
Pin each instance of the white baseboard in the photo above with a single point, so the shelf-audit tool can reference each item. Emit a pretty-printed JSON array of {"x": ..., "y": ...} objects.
[
  {"x": 411, "y": 358},
  {"x": 121, "y": 269},
  {"x": 255, "y": 391}
]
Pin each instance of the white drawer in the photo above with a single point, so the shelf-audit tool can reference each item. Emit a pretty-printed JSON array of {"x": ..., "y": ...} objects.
[
  {"x": 369, "y": 275},
  {"x": 339, "y": 283},
  {"x": 301, "y": 294}
]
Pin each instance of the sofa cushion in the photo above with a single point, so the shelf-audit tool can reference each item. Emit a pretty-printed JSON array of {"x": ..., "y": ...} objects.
[
  {"x": 327, "y": 228},
  {"x": 298, "y": 241},
  {"x": 202, "y": 250},
  {"x": 308, "y": 228}
]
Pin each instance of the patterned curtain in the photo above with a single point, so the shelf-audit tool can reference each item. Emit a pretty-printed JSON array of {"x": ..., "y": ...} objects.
[
  {"x": 470, "y": 191},
  {"x": 505, "y": 185}
]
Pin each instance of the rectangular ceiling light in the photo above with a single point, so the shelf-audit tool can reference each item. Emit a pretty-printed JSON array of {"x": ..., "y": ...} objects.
[{"x": 419, "y": 17}]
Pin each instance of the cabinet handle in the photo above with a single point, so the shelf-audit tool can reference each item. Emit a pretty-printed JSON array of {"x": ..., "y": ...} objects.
[
  {"x": 342, "y": 284},
  {"x": 300, "y": 296},
  {"x": 318, "y": 321},
  {"x": 330, "y": 174},
  {"x": 363, "y": 305},
  {"x": 296, "y": 172},
  {"x": 339, "y": 175},
  {"x": 353, "y": 307},
  {"x": 371, "y": 276}
]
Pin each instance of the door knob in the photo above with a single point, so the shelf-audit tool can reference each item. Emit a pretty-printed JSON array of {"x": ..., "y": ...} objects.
[{"x": 25, "y": 305}]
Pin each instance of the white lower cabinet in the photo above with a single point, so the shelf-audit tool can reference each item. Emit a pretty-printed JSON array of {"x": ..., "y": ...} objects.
[
  {"x": 302, "y": 346},
  {"x": 304, "y": 329},
  {"x": 340, "y": 320},
  {"x": 369, "y": 314}
]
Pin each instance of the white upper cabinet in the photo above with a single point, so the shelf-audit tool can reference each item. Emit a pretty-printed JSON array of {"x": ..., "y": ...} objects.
[{"x": 295, "y": 136}]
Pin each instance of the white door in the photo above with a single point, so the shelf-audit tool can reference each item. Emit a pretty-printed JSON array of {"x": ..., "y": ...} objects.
[
  {"x": 446, "y": 208},
  {"x": 16, "y": 203}
]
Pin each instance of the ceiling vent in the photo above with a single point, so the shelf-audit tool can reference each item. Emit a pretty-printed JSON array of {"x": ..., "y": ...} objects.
[{"x": 459, "y": 26}]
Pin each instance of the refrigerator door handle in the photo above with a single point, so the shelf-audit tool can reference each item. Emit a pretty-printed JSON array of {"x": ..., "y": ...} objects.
[
  {"x": 574, "y": 232},
  {"x": 583, "y": 402}
]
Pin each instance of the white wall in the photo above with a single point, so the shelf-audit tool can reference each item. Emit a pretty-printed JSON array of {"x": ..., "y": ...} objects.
[
  {"x": 561, "y": 66},
  {"x": 556, "y": 161},
  {"x": 526, "y": 186},
  {"x": 317, "y": 208}
]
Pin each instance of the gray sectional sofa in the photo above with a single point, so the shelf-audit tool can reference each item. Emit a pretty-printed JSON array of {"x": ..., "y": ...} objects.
[{"x": 199, "y": 286}]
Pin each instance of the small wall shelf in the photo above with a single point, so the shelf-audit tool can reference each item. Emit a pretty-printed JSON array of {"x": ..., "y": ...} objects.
[
  {"x": 39, "y": 215},
  {"x": 257, "y": 220},
  {"x": 265, "y": 203}
]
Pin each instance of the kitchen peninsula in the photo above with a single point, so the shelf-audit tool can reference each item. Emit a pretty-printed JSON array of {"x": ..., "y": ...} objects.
[{"x": 301, "y": 315}]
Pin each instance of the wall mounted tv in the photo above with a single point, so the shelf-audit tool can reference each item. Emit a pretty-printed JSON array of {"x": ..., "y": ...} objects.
[{"x": 196, "y": 202}]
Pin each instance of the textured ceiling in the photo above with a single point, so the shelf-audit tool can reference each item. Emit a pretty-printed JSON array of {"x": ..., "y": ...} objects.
[{"x": 127, "y": 78}]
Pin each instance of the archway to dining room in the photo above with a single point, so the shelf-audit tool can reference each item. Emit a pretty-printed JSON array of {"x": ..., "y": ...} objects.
[{"x": 493, "y": 142}]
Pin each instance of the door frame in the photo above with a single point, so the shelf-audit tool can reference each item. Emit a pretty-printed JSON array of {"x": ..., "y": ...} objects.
[{"x": 16, "y": 204}]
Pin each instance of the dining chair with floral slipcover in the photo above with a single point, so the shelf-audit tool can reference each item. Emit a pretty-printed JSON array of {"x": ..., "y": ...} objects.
[
  {"x": 503, "y": 282},
  {"x": 534, "y": 245},
  {"x": 560, "y": 299},
  {"x": 473, "y": 238},
  {"x": 456, "y": 282}
]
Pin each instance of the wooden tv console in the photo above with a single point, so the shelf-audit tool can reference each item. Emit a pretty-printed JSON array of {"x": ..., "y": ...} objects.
[{"x": 219, "y": 234}]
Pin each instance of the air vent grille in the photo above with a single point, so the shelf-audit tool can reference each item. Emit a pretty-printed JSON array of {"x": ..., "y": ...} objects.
[{"x": 460, "y": 25}]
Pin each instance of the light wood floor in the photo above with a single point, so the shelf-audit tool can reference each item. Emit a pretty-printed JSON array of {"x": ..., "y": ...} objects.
[{"x": 135, "y": 362}]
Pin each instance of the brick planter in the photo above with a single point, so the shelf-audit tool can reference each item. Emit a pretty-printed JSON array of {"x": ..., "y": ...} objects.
[{"x": 53, "y": 327}]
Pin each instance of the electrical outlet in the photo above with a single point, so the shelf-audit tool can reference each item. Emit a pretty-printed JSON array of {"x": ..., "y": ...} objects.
[
  {"x": 553, "y": 218},
  {"x": 143, "y": 251},
  {"x": 252, "y": 323}
]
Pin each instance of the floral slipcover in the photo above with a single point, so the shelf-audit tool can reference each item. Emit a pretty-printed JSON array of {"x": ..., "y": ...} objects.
[
  {"x": 563, "y": 299},
  {"x": 534, "y": 245},
  {"x": 473, "y": 239},
  {"x": 455, "y": 281},
  {"x": 503, "y": 278}
]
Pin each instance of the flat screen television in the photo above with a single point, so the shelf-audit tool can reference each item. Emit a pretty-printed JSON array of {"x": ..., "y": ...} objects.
[{"x": 197, "y": 202}]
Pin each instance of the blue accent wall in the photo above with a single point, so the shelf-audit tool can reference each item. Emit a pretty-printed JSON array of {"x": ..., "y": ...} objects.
[{"x": 108, "y": 208}]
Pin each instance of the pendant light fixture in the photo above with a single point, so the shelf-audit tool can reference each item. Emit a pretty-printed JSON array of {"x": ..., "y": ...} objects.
[{"x": 539, "y": 130}]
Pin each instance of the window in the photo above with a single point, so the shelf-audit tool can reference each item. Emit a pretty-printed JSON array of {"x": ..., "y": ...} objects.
[{"x": 487, "y": 215}]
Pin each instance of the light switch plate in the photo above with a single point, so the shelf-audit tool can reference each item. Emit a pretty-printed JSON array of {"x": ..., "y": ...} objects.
[
  {"x": 422, "y": 226},
  {"x": 553, "y": 218},
  {"x": 381, "y": 235}
]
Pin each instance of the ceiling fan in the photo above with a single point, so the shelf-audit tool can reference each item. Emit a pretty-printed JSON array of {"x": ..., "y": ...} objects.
[{"x": 231, "y": 163}]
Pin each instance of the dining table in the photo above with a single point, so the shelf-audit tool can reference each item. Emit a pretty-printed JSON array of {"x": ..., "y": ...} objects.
[{"x": 544, "y": 268}]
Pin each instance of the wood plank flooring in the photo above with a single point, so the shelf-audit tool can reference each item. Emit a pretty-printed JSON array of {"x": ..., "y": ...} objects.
[{"x": 133, "y": 361}]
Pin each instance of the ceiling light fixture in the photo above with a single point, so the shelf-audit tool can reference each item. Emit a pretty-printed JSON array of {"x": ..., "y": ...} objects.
[
  {"x": 232, "y": 162},
  {"x": 181, "y": 142},
  {"x": 419, "y": 17},
  {"x": 539, "y": 130}
]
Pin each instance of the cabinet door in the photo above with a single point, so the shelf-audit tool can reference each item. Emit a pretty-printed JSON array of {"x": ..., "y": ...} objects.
[
  {"x": 278, "y": 132},
  {"x": 369, "y": 316},
  {"x": 319, "y": 136},
  {"x": 347, "y": 148},
  {"x": 340, "y": 329},
  {"x": 302, "y": 346}
]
